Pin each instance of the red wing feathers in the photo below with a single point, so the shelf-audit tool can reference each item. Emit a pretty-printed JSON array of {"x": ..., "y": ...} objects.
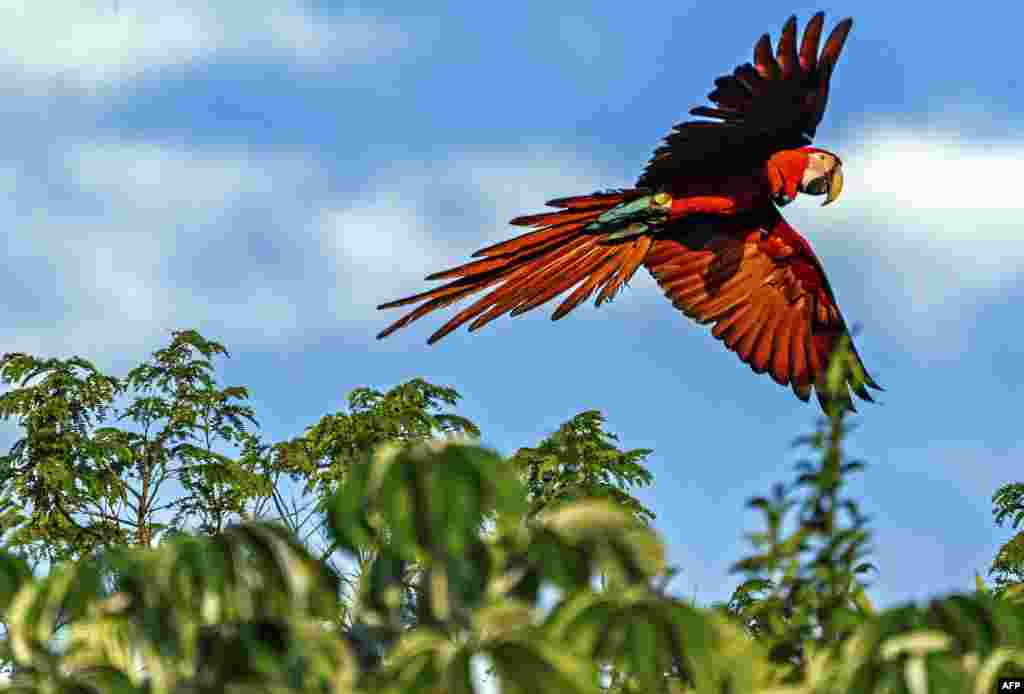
[
  {"x": 786, "y": 55},
  {"x": 753, "y": 278},
  {"x": 535, "y": 267},
  {"x": 775, "y": 103},
  {"x": 761, "y": 286}
]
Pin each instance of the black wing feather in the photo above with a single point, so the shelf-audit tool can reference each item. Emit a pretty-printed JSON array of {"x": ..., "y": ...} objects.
[{"x": 775, "y": 103}]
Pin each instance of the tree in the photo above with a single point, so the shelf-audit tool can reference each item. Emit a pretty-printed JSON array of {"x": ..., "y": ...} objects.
[
  {"x": 804, "y": 588},
  {"x": 246, "y": 609},
  {"x": 98, "y": 487},
  {"x": 322, "y": 458},
  {"x": 1008, "y": 565},
  {"x": 455, "y": 546},
  {"x": 72, "y": 488},
  {"x": 90, "y": 487},
  {"x": 581, "y": 461},
  {"x": 250, "y": 607}
]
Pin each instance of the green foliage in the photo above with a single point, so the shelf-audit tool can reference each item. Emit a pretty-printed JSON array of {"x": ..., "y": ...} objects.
[
  {"x": 249, "y": 609},
  {"x": 246, "y": 608},
  {"x": 327, "y": 453},
  {"x": 241, "y": 611},
  {"x": 57, "y": 468},
  {"x": 75, "y": 487},
  {"x": 956, "y": 644},
  {"x": 465, "y": 540},
  {"x": 804, "y": 587},
  {"x": 406, "y": 414},
  {"x": 415, "y": 507},
  {"x": 1008, "y": 565},
  {"x": 482, "y": 591},
  {"x": 90, "y": 487},
  {"x": 581, "y": 461}
]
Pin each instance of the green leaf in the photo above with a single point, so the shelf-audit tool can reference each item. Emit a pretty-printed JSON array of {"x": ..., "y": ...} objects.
[
  {"x": 599, "y": 527},
  {"x": 920, "y": 642},
  {"x": 14, "y": 574},
  {"x": 993, "y": 666},
  {"x": 529, "y": 667}
]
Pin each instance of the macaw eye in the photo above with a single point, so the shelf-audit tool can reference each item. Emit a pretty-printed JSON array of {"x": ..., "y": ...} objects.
[{"x": 818, "y": 186}]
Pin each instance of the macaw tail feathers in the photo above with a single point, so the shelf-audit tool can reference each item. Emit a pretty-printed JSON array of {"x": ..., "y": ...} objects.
[{"x": 581, "y": 244}]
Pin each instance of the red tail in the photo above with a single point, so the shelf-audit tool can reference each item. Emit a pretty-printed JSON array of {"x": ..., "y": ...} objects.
[{"x": 534, "y": 268}]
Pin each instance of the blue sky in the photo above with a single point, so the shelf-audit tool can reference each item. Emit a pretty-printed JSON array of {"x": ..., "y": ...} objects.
[{"x": 269, "y": 172}]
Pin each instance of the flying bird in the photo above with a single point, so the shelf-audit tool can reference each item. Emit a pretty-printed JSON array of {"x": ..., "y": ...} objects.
[{"x": 704, "y": 220}]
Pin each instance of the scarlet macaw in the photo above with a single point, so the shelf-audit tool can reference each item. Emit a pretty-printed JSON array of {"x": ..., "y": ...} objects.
[{"x": 703, "y": 219}]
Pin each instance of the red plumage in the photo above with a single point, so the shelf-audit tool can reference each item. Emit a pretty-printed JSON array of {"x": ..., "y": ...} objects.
[{"x": 703, "y": 221}]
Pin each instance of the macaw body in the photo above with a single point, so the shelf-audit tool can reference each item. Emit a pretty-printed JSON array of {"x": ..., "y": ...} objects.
[
  {"x": 704, "y": 220},
  {"x": 778, "y": 180}
]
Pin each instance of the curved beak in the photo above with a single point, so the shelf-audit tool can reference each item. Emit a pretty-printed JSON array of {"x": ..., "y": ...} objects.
[{"x": 835, "y": 184}]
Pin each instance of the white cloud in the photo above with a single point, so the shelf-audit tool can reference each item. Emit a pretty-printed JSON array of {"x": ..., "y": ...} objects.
[
  {"x": 152, "y": 234},
  {"x": 517, "y": 182},
  {"x": 951, "y": 203},
  {"x": 89, "y": 43},
  {"x": 157, "y": 177},
  {"x": 926, "y": 232},
  {"x": 99, "y": 43},
  {"x": 929, "y": 224},
  {"x": 379, "y": 246},
  {"x": 151, "y": 176},
  {"x": 148, "y": 237},
  {"x": 352, "y": 38},
  {"x": 118, "y": 270},
  {"x": 391, "y": 236},
  {"x": 376, "y": 234},
  {"x": 135, "y": 238}
]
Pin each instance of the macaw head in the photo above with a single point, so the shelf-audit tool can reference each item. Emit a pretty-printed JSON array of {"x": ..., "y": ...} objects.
[{"x": 823, "y": 175}]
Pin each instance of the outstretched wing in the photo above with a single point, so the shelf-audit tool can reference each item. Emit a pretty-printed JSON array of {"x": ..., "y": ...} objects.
[
  {"x": 529, "y": 270},
  {"x": 758, "y": 281},
  {"x": 774, "y": 104}
]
